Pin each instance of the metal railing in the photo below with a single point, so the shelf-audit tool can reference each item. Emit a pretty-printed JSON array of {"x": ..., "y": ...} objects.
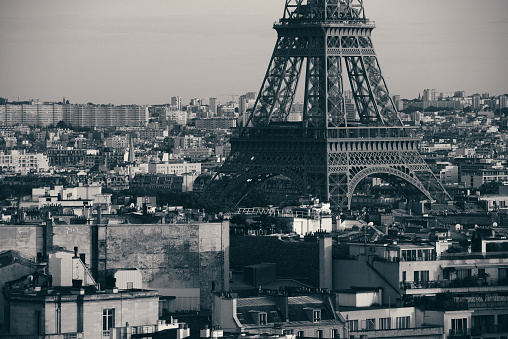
[
  {"x": 479, "y": 330},
  {"x": 457, "y": 283},
  {"x": 465, "y": 256}
]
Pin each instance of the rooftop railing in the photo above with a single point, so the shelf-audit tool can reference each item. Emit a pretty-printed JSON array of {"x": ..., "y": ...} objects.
[
  {"x": 459, "y": 256},
  {"x": 456, "y": 283}
]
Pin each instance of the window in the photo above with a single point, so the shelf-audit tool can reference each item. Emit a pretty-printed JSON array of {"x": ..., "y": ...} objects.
[
  {"x": 481, "y": 273},
  {"x": 459, "y": 326},
  {"x": 421, "y": 276},
  {"x": 403, "y": 275},
  {"x": 403, "y": 322},
  {"x": 108, "y": 321},
  {"x": 319, "y": 334},
  {"x": 370, "y": 324},
  {"x": 301, "y": 334},
  {"x": 464, "y": 274},
  {"x": 335, "y": 333},
  {"x": 262, "y": 318},
  {"x": 353, "y": 325},
  {"x": 385, "y": 323},
  {"x": 503, "y": 273},
  {"x": 130, "y": 285},
  {"x": 316, "y": 316}
]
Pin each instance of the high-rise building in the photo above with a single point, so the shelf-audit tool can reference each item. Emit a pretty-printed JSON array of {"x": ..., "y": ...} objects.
[
  {"x": 76, "y": 115},
  {"x": 503, "y": 101},
  {"x": 212, "y": 105},
  {"x": 485, "y": 95},
  {"x": 476, "y": 101},
  {"x": 459, "y": 94},
  {"x": 242, "y": 105},
  {"x": 429, "y": 95},
  {"x": 176, "y": 102}
]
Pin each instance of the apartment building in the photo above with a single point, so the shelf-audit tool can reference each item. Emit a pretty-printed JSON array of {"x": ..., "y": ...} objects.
[
  {"x": 466, "y": 293},
  {"x": 16, "y": 161}
]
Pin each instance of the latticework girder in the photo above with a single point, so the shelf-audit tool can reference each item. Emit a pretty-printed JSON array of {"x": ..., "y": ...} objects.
[{"x": 326, "y": 154}]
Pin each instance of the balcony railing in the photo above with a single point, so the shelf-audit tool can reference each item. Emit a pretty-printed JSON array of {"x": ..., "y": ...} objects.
[
  {"x": 457, "y": 283},
  {"x": 399, "y": 332},
  {"x": 459, "y": 333},
  {"x": 44, "y": 336},
  {"x": 479, "y": 330},
  {"x": 465, "y": 256}
]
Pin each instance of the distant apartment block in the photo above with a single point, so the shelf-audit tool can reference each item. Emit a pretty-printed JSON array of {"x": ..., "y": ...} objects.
[
  {"x": 76, "y": 115},
  {"x": 117, "y": 141},
  {"x": 174, "y": 168},
  {"x": 215, "y": 123},
  {"x": 23, "y": 163}
]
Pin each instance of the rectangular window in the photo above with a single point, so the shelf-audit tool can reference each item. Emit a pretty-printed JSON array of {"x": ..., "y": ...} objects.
[
  {"x": 319, "y": 334},
  {"x": 403, "y": 275},
  {"x": 108, "y": 321},
  {"x": 262, "y": 318},
  {"x": 503, "y": 273},
  {"x": 403, "y": 322},
  {"x": 370, "y": 324},
  {"x": 334, "y": 334},
  {"x": 316, "y": 316},
  {"x": 481, "y": 273},
  {"x": 464, "y": 274},
  {"x": 353, "y": 325},
  {"x": 459, "y": 326},
  {"x": 301, "y": 334},
  {"x": 424, "y": 275},
  {"x": 385, "y": 323}
]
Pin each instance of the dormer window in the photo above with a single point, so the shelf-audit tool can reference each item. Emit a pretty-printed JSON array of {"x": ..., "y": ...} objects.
[
  {"x": 262, "y": 318},
  {"x": 316, "y": 316}
]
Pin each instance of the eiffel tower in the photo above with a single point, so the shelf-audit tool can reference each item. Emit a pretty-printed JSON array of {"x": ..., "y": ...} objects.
[{"x": 328, "y": 152}]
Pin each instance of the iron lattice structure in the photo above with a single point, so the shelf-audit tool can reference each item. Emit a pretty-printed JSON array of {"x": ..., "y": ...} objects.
[{"x": 329, "y": 152}]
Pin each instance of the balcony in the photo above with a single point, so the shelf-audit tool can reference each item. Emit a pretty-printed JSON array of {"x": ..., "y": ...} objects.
[
  {"x": 44, "y": 336},
  {"x": 402, "y": 332},
  {"x": 457, "y": 283},
  {"x": 460, "y": 333},
  {"x": 467, "y": 256},
  {"x": 489, "y": 329}
]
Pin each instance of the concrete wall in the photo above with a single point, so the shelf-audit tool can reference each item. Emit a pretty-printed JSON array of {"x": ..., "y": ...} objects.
[
  {"x": 70, "y": 236},
  {"x": 173, "y": 256},
  {"x": 27, "y": 240}
]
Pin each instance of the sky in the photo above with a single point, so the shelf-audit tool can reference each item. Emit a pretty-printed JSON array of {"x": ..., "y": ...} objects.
[{"x": 145, "y": 52}]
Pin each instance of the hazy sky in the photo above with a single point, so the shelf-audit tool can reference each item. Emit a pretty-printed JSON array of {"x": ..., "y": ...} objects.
[{"x": 144, "y": 52}]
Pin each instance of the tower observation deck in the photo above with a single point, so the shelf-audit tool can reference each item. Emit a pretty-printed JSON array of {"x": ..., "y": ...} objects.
[{"x": 320, "y": 43}]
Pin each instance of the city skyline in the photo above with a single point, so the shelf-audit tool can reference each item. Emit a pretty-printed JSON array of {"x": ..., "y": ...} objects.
[{"x": 132, "y": 53}]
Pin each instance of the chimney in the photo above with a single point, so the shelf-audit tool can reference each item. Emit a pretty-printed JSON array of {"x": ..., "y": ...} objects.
[{"x": 325, "y": 262}]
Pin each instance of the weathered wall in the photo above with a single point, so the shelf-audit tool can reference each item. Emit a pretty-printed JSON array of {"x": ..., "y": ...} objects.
[
  {"x": 27, "y": 240},
  {"x": 168, "y": 255},
  {"x": 172, "y": 255},
  {"x": 69, "y": 236}
]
